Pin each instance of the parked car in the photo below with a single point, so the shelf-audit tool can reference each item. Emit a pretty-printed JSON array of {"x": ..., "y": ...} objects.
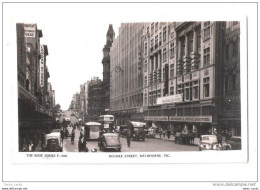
[
  {"x": 53, "y": 143},
  {"x": 233, "y": 144},
  {"x": 55, "y": 131},
  {"x": 208, "y": 142},
  {"x": 138, "y": 130},
  {"x": 109, "y": 141}
]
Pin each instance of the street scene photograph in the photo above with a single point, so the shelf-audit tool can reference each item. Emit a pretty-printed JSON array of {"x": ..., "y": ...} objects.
[
  {"x": 157, "y": 95},
  {"x": 151, "y": 87}
]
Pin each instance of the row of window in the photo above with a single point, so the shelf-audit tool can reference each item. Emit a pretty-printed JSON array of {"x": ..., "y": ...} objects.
[
  {"x": 190, "y": 111},
  {"x": 189, "y": 90},
  {"x": 131, "y": 101}
]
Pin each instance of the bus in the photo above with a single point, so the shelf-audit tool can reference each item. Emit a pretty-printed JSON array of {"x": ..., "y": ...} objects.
[
  {"x": 108, "y": 122},
  {"x": 92, "y": 130}
]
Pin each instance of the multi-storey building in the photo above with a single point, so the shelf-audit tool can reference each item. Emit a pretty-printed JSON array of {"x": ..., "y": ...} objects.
[
  {"x": 229, "y": 113},
  {"x": 33, "y": 112},
  {"x": 95, "y": 106},
  {"x": 82, "y": 100},
  {"x": 183, "y": 78},
  {"x": 126, "y": 91},
  {"x": 106, "y": 66},
  {"x": 190, "y": 75},
  {"x": 86, "y": 84},
  {"x": 51, "y": 96}
]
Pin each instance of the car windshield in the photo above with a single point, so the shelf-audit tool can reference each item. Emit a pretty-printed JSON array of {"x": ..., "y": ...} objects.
[
  {"x": 112, "y": 140},
  {"x": 138, "y": 129},
  {"x": 209, "y": 138},
  {"x": 56, "y": 130},
  {"x": 52, "y": 144}
]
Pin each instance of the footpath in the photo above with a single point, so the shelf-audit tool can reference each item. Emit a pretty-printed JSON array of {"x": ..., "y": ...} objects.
[{"x": 172, "y": 138}]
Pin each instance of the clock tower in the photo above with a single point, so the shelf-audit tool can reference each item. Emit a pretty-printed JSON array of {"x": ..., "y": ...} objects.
[{"x": 106, "y": 65}]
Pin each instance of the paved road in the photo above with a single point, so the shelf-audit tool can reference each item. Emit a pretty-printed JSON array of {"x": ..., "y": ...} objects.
[
  {"x": 73, "y": 119},
  {"x": 149, "y": 145}
]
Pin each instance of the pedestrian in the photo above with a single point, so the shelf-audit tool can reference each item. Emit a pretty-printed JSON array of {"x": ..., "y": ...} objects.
[
  {"x": 219, "y": 139},
  {"x": 72, "y": 136},
  {"x": 160, "y": 132},
  {"x": 66, "y": 133},
  {"x": 168, "y": 133},
  {"x": 62, "y": 134},
  {"x": 164, "y": 135},
  {"x": 82, "y": 145},
  {"x": 30, "y": 146},
  {"x": 128, "y": 138}
]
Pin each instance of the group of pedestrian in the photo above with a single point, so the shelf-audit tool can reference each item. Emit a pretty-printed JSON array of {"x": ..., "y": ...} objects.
[
  {"x": 164, "y": 133},
  {"x": 29, "y": 143}
]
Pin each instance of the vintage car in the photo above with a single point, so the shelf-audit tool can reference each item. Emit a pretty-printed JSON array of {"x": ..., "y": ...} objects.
[
  {"x": 55, "y": 130},
  {"x": 233, "y": 144},
  {"x": 137, "y": 130},
  {"x": 208, "y": 142},
  {"x": 52, "y": 142},
  {"x": 123, "y": 131},
  {"x": 109, "y": 141}
]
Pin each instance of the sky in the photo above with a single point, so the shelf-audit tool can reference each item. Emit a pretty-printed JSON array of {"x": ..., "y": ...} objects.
[
  {"x": 75, "y": 40},
  {"x": 75, "y": 34}
]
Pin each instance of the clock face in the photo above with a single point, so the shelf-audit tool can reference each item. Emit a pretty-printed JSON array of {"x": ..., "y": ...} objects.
[{"x": 117, "y": 68}]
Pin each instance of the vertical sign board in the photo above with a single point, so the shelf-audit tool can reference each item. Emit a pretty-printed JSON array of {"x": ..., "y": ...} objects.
[
  {"x": 29, "y": 30},
  {"x": 42, "y": 66}
]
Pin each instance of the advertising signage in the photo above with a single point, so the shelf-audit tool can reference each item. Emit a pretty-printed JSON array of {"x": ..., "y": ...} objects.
[
  {"x": 200, "y": 119},
  {"x": 170, "y": 99},
  {"x": 42, "y": 66},
  {"x": 156, "y": 118},
  {"x": 29, "y": 30}
]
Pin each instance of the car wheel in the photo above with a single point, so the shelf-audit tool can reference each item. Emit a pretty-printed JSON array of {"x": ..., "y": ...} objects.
[{"x": 228, "y": 148}]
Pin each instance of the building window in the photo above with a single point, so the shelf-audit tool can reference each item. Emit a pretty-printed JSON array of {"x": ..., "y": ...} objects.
[
  {"x": 145, "y": 66},
  {"x": 172, "y": 34},
  {"x": 145, "y": 99},
  {"x": 190, "y": 47},
  {"x": 196, "y": 111},
  {"x": 195, "y": 90},
  {"x": 182, "y": 46},
  {"x": 206, "y": 87},
  {"x": 206, "y": 56},
  {"x": 152, "y": 43},
  {"x": 172, "y": 50},
  {"x": 179, "y": 111},
  {"x": 187, "y": 91},
  {"x": 206, "y": 110},
  {"x": 160, "y": 39},
  {"x": 156, "y": 26},
  {"x": 198, "y": 39},
  {"x": 152, "y": 28},
  {"x": 156, "y": 41},
  {"x": 147, "y": 30},
  {"x": 145, "y": 48},
  {"x": 171, "y": 70},
  {"x": 164, "y": 33},
  {"x": 145, "y": 81},
  {"x": 179, "y": 91},
  {"x": 164, "y": 54},
  {"x": 172, "y": 90},
  {"x": 206, "y": 30}
]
